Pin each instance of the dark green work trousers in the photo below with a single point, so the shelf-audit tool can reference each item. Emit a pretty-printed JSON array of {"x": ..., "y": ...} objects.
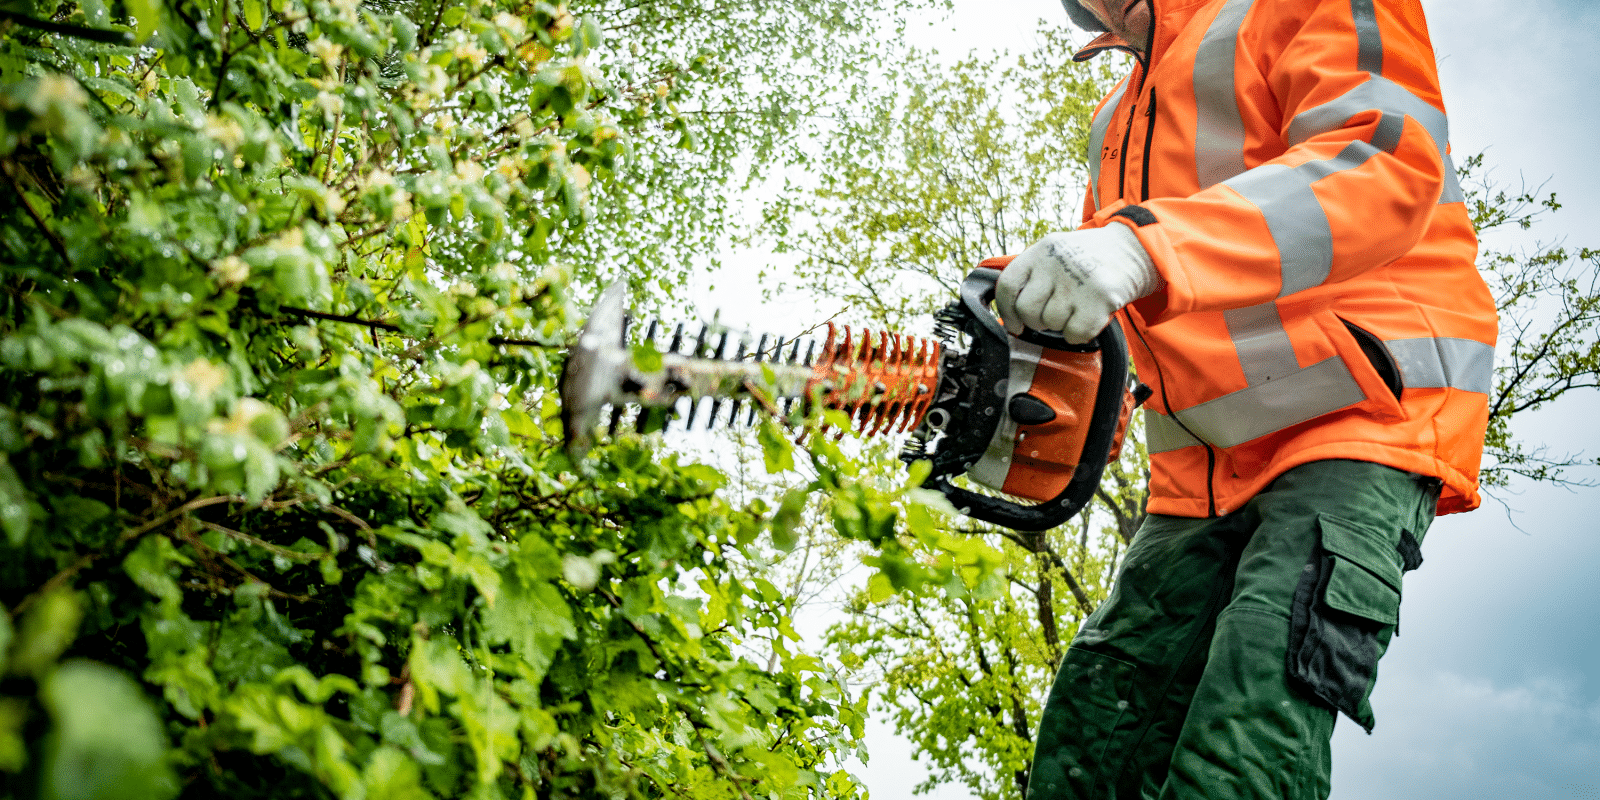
[{"x": 1215, "y": 667}]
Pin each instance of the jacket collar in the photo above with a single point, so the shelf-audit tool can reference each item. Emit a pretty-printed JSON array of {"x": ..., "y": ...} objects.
[
  {"x": 1101, "y": 43},
  {"x": 1167, "y": 17}
]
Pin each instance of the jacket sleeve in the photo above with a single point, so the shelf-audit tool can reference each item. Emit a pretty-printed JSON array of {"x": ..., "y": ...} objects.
[{"x": 1361, "y": 169}]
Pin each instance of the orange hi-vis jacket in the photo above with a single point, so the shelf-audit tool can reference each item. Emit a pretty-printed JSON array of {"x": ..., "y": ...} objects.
[{"x": 1285, "y": 164}]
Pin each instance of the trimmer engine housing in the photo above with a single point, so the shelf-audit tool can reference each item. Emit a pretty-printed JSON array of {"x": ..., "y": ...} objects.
[{"x": 1031, "y": 416}]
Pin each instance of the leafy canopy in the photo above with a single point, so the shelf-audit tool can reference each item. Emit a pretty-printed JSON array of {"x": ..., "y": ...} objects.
[{"x": 284, "y": 510}]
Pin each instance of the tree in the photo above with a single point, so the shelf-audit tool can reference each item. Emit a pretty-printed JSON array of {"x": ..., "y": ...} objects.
[
  {"x": 976, "y": 159},
  {"x": 285, "y": 512},
  {"x": 1549, "y": 303}
]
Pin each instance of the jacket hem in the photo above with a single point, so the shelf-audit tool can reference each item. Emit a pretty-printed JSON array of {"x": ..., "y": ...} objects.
[{"x": 1460, "y": 492}]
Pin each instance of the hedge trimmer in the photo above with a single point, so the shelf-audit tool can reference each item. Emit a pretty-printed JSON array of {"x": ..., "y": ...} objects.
[{"x": 1032, "y": 417}]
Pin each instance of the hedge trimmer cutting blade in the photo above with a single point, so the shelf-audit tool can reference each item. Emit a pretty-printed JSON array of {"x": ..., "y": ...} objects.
[
  {"x": 884, "y": 381},
  {"x": 1032, "y": 417}
]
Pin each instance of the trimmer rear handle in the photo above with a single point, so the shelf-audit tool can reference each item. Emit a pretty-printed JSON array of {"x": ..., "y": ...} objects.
[{"x": 977, "y": 294}]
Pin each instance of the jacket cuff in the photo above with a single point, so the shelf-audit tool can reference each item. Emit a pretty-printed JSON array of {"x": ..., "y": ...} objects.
[{"x": 1156, "y": 306}]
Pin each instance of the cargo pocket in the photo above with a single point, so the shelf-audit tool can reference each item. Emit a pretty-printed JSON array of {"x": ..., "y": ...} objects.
[{"x": 1345, "y": 607}]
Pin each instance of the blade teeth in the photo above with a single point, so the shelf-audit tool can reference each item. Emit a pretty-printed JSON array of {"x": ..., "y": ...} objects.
[
  {"x": 847, "y": 353},
  {"x": 720, "y": 354},
  {"x": 793, "y": 358},
  {"x": 700, "y": 340},
  {"x": 761, "y": 355}
]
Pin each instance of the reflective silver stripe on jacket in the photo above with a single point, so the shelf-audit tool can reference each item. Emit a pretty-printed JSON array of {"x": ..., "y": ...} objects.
[
  {"x": 1305, "y": 243},
  {"x": 1163, "y": 435},
  {"x": 1251, "y": 413},
  {"x": 1266, "y": 408},
  {"x": 1261, "y": 343},
  {"x": 1369, "y": 39},
  {"x": 1395, "y": 103},
  {"x": 1295, "y": 217},
  {"x": 1219, "y": 131},
  {"x": 1444, "y": 363},
  {"x": 1380, "y": 94},
  {"x": 1097, "y": 138}
]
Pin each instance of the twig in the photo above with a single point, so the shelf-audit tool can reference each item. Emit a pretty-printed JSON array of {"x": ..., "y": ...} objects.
[
  {"x": 213, "y": 555},
  {"x": 353, "y": 320},
  {"x": 276, "y": 550},
  {"x": 372, "y": 538},
  {"x": 75, "y": 31},
  {"x": 382, "y": 325},
  {"x": 717, "y": 761},
  {"x": 55, "y": 241},
  {"x": 227, "y": 57},
  {"x": 60, "y": 578}
]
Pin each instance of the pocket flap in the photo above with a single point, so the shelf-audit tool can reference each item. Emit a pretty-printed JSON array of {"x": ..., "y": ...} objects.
[
  {"x": 1371, "y": 550},
  {"x": 1354, "y": 590}
]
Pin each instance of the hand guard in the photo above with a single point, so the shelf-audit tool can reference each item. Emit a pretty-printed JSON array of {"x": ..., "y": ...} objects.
[{"x": 1073, "y": 282}]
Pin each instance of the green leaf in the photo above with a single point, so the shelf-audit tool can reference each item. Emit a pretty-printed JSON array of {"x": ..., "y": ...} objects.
[
  {"x": 152, "y": 565},
  {"x": 436, "y": 665},
  {"x": 533, "y": 620},
  {"x": 646, "y": 358},
  {"x": 48, "y": 628},
  {"x": 15, "y": 516},
  {"x": 879, "y": 588},
  {"x": 787, "y": 519},
  {"x": 5, "y": 637},
  {"x": 105, "y": 739},
  {"x": 146, "y": 15},
  {"x": 248, "y": 651},
  {"x": 13, "y": 745},
  {"x": 252, "y": 14},
  {"x": 776, "y": 449},
  {"x": 392, "y": 774}
]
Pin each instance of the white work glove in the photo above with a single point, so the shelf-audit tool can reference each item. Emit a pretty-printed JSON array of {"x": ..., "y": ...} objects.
[{"x": 1073, "y": 282}]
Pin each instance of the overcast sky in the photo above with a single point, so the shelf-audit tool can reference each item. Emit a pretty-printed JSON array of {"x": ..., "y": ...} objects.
[{"x": 1493, "y": 690}]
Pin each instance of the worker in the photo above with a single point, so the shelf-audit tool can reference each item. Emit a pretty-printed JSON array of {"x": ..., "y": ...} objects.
[{"x": 1274, "y": 219}]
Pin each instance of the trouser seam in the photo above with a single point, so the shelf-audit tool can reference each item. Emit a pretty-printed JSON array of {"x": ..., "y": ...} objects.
[{"x": 1212, "y": 611}]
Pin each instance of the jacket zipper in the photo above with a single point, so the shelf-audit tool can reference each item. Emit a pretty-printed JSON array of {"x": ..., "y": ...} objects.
[
  {"x": 1161, "y": 381},
  {"x": 1149, "y": 135},
  {"x": 1144, "y": 195}
]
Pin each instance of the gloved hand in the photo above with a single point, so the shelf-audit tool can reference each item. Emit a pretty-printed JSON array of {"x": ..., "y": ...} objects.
[{"x": 1073, "y": 282}]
